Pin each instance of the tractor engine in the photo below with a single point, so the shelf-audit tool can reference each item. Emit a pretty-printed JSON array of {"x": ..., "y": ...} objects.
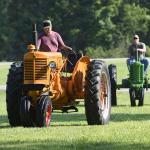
[
  {"x": 136, "y": 74},
  {"x": 41, "y": 74}
]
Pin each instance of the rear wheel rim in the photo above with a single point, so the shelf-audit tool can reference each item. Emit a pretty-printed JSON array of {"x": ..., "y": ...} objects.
[
  {"x": 104, "y": 94},
  {"x": 48, "y": 114}
]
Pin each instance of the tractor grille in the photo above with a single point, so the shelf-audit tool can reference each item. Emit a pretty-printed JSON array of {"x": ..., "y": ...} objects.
[
  {"x": 35, "y": 69},
  {"x": 28, "y": 70},
  {"x": 137, "y": 73}
]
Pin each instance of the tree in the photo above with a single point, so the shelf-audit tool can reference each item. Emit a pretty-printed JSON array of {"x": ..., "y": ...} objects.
[{"x": 102, "y": 25}]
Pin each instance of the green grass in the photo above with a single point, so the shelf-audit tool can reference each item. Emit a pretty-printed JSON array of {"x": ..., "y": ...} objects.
[
  {"x": 3, "y": 73},
  {"x": 122, "y": 70},
  {"x": 129, "y": 128}
]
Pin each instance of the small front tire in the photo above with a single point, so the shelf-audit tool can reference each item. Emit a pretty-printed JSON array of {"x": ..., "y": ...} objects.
[{"x": 43, "y": 112}]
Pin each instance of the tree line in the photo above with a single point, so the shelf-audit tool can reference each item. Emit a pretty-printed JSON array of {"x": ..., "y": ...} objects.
[{"x": 102, "y": 28}]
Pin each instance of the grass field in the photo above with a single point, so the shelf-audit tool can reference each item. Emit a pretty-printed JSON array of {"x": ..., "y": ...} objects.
[
  {"x": 3, "y": 73},
  {"x": 129, "y": 128}
]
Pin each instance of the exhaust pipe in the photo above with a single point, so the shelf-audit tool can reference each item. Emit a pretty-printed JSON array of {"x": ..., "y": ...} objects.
[{"x": 34, "y": 35}]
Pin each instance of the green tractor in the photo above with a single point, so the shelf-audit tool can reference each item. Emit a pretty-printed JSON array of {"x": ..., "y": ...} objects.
[{"x": 136, "y": 82}]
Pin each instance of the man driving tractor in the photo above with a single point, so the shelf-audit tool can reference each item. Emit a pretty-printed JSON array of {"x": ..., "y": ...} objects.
[
  {"x": 50, "y": 40},
  {"x": 135, "y": 47}
]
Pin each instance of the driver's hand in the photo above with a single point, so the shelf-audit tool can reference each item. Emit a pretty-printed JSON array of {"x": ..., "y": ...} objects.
[
  {"x": 139, "y": 49},
  {"x": 72, "y": 51}
]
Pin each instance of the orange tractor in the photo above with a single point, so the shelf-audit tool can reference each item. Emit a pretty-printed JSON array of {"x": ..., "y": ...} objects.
[{"x": 45, "y": 82}]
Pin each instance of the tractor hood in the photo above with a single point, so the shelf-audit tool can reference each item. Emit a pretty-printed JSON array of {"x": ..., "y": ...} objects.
[
  {"x": 39, "y": 54},
  {"x": 36, "y": 66}
]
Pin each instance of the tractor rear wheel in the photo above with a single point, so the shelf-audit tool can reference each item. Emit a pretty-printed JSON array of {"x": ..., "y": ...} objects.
[
  {"x": 132, "y": 97},
  {"x": 25, "y": 114},
  {"x": 113, "y": 80},
  {"x": 44, "y": 112},
  {"x": 97, "y": 93},
  {"x": 14, "y": 92},
  {"x": 141, "y": 97}
]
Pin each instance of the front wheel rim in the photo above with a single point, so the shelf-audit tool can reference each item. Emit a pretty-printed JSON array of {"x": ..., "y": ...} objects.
[{"x": 48, "y": 114}]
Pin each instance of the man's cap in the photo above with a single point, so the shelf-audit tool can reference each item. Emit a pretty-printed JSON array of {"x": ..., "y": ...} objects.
[
  {"x": 47, "y": 23},
  {"x": 136, "y": 36}
]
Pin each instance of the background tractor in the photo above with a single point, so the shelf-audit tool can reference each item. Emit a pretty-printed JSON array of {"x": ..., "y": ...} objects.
[
  {"x": 136, "y": 82},
  {"x": 45, "y": 82}
]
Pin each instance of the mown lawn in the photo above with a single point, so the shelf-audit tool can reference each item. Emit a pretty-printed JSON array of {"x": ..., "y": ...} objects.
[
  {"x": 122, "y": 70},
  {"x": 3, "y": 73},
  {"x": 129, "y": 128}
]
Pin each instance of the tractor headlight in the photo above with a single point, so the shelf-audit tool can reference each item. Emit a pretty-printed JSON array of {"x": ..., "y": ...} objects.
[{"x": 52, "y": 65}]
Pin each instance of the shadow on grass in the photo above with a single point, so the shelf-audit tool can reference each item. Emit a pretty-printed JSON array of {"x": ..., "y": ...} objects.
[
  {"x": 68, "y": 117},
  {"x": 4, "y": 121},
  {"x": 76, "y": 144},
  {"x": 129, "y": 117},
  {"x": 74, "y": 119},
  {"x": 128, "y": 105},
  {"x": 69, "y": 125}
]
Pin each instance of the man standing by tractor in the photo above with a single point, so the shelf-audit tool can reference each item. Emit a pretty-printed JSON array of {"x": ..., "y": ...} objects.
[
  {"x": 50, "y": 41},
  {"x": 135, "y": 48}
]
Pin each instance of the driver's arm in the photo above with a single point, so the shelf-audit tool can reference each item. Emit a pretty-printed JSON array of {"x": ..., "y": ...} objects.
[
  {"x": 142, "y": 49},
  {"x": 64, "y": 47},
  {"x": 62, "y": 44}
]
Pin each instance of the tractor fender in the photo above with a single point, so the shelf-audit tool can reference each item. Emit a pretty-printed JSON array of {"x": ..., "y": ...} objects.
[{"x": 78, "y": 77}]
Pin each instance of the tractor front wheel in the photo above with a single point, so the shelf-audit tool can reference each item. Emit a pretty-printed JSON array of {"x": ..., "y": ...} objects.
[
  {"x": 25, "y": 116},
  {"x": 97, "y": 93},
  {"x": 44, "y": 112},
  {"x": 141, "y": 97},
  {"x": 132, "y": 97}
]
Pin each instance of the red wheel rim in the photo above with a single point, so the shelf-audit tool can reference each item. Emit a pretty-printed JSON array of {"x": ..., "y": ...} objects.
[{"x": 48, "y": 115}]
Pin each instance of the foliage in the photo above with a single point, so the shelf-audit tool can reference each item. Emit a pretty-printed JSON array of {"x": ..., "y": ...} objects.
[
  {"x": 101, "y": 53},
  {"x": 99, "y": 24}
]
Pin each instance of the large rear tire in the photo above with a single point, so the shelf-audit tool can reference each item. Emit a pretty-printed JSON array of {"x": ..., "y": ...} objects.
[
  {"x": 97, "y": 93},
  {"x": 14, "y": 92},
  {"x": 43, "y": 112},
  {"x": 113, "y": 80}
]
